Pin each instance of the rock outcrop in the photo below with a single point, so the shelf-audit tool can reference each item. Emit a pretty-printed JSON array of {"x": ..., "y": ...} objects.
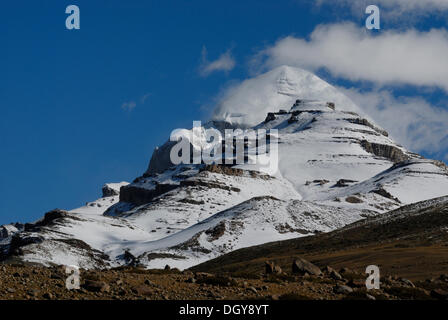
[
  {"x": 303, "y": 266},
  {"x": 383, "y": 150}
]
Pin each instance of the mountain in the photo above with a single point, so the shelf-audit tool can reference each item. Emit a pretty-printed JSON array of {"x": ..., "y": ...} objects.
[
  {"x": 335, "y": 167},
  {"x": 277, "y": 89}
]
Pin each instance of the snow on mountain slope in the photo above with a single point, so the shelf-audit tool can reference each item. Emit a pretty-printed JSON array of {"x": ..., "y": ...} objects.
[
  {"x": 79, "y": 237},
  {"x": 325, "y": 144},
  {"x": 249, "y": 223},
  {"x": 277, "y": 89},
  {"x": 409, "y": 181},
  {"x": 200, "y": 194},
  {"x": 412, "y": 210}
]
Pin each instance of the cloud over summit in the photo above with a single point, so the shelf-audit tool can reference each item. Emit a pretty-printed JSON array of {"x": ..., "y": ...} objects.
[{"x": 353, "y": 53}]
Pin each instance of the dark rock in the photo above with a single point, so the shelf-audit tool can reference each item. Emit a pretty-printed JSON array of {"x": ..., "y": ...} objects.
[
  {"x": 332, "y": 273},
  {"x": 331, "y": 105},
  {"x": 216, "y": 232},
  {"x": 270, "y": 117},
  {"x": 443, "y": 277},
  {"x": 109, "y": 192},
  {"x": 365, "y": 122},
  {"x": 272, "y": 268},
  {"x": 6, "y": 231},
  {"x": 293, "y": 119},
  {"x": 327, "y": 270},
  {"x": 303, "y": 266},
  {"x": 96, "y": 286},
  {"x": 252, "y": 289},
  {"x": 139, "y": 196},
  {"x": 48, "y": 296},
  {"x": 160, "y": 159},
  {"x": 439, "y": 294},
  {"x": 321, "y": 182},
  {"x": 207, "y": 184},
  {"x": 342, "y": 289},
  {"x": 344, "y": 183},
  {"x": 336, "y": 275},
  {"x": 370, "y": 297},
  {"x": 298, "y": 102},
  {"x": 221, "y": 169},
  {"x": 345, "y": 270},
  {"x": 130, "y": 259},
  {"x": 56, "y": 276},
  {"x": 353, "y": 199},
  {"x": 190, "y": 280},
  {"x": 33, "y": 292},
  {"x": 407, "y": 282},
  {"x": 51, "y": 216},
  {"x": 148, "y": 282},
  {"x": 385, "y": 194},
  {"x": 385, "y": 151},
  {"x": 356, "y": 283},
  {"x": 142, "y": 290},
  {"x": 19, "y": 240}
]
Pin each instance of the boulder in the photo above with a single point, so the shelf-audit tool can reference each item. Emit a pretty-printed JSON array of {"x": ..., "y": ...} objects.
[
  {"x": 303, "y": 266},
  {"x": 342, "y": 289},
  {"x": 272, "y": 268},
  {"x": 357, "y": 283},
  {"x": 96, "y": 286},
  {"x": 407, "y": 282},
  {"x": 331, "y": 105},
  {"x": 142, "y": 290},
  {"x": 336, "y": 275}
]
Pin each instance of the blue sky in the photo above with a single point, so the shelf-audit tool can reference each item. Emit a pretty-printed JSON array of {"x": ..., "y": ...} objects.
[{"x": 65, "y": 123}]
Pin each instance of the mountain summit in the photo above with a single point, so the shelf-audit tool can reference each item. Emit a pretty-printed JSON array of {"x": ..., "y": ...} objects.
[
  {"x": 277, "y": 89},
  {"x": 335, "y": 167}
]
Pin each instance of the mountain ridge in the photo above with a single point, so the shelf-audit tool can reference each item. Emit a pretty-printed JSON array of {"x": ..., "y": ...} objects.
[{"x": 335, "y": 167}]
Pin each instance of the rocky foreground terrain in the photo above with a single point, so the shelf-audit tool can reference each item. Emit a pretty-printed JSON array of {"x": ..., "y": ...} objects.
[{"x": 304, "y": 281}]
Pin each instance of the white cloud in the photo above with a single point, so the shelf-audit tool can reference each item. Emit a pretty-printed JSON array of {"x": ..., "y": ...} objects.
[
  {"x": 225, "y": 63},
  {"x": 128, "y": 106},
  {"x": 411, "y": 121},
  {"x": 353, "y": 53},
  {"x": 393, "y": 9}
]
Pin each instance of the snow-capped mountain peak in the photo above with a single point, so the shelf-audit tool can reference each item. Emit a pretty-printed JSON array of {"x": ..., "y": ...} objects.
[
  {"x": 277, "y": 89},
  {"x": 335, "y": 166}
]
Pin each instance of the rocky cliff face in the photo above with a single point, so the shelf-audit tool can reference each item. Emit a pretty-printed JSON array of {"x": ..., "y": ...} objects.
[{"x": 385, "y": 151}]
